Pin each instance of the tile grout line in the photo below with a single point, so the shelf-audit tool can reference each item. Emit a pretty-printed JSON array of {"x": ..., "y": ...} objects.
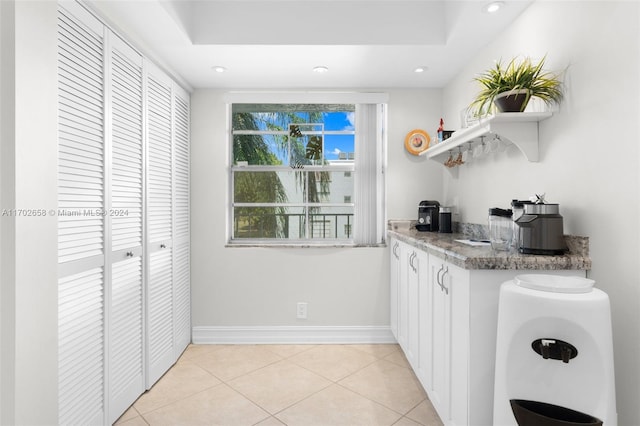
[{"x": 289, "y": 358}]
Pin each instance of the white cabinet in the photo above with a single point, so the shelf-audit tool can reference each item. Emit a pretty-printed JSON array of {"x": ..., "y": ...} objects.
[
  {"x": 450, "y": 331},
  {"x": 409, "y": 277},
  {"x": 394, "y": 285},
  {"x": 412, "y": 347},
  {"x": 123, "y": 221},
  {"x": 403, "y": 296},
  {"x": 424, "y": 328},
  {"x": 447, "y": 324}
]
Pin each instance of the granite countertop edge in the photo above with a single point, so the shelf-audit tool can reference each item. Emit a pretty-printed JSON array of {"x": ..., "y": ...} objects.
[{"x": 445, "y": 247}]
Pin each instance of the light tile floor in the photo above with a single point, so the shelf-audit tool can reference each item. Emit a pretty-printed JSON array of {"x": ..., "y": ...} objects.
[{"x": 294, "y": 385}]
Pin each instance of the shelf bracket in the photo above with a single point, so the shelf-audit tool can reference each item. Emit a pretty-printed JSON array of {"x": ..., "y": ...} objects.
[{"x": 524, "y": 135}]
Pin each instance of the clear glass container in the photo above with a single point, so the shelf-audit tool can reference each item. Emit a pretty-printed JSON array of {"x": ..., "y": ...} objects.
[
  {"x": 500, "y": 229},
  {"x": 518, "y": 210}
]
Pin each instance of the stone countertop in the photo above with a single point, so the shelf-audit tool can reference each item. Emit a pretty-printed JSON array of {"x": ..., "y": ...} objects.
[{"x": 484, "y": 257}]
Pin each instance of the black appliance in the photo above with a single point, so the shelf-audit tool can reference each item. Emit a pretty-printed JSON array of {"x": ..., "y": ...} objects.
[
  {"x": 541, "y": 230},
  {"x": 428, "y": 212}
]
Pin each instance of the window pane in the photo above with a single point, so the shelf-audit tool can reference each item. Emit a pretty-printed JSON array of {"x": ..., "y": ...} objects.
[
  {"x": 261, "y": 150},
  {"x": 306, "y": 143},
  {"x": 339, "y": 120},
  {"x": 269, "y": 222},
  {"x": 285, "y": 186},
  {"x": 309, "y": 194},
  {"x": 329, "y": 187},
  {"x": 330, "y": 222},
  {"x": 339, "y": 147}
]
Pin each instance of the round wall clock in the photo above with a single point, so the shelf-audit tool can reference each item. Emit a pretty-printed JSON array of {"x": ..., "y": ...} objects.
[{"x": 417, "y": 141}]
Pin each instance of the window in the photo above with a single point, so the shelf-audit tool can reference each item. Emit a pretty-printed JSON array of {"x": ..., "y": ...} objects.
[{"x": 295, "y": 175}]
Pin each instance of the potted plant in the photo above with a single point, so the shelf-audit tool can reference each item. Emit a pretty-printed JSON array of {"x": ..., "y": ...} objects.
[{"x": 511, "y": 87}]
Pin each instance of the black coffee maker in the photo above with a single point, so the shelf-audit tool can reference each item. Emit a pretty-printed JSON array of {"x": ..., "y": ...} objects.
[{"x": 428, "y": 213}]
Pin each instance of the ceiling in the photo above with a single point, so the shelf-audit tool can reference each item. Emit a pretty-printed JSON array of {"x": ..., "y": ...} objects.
[{"x": 275, "y": 44}]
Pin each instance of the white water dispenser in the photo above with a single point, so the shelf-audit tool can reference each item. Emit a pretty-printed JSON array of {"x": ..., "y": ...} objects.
[{"x": 554, "y": 353}]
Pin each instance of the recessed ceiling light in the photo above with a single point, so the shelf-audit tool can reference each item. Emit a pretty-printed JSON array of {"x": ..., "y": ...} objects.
[
  {"x": 493, "y": 7},
  {"x": 420, "y": 69},
  {"x": 320, "y": 69},
  {"x": 218, "y": 68}
]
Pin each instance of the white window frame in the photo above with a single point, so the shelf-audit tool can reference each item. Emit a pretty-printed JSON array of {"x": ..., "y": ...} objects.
[{"x": 369, "y": 186}]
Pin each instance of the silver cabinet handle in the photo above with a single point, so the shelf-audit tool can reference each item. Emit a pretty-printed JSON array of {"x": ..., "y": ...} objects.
[
  {"x": 438, "y": 276},
  {"x": 395, "y": 247},
  {"x": 442, "y": 286}
]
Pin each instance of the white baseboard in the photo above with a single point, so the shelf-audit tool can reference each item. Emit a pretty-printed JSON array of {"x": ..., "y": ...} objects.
[{"x": 291, "y": 335}]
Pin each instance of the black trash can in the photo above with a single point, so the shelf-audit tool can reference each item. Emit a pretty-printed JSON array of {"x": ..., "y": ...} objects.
[{"x": 534, "y": 413}]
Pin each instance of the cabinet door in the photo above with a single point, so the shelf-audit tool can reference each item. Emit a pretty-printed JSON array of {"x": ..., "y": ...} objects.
[
  {"x": 413, "y": 315},
  {"x": 450, "y": 351},
  {"x": 425, "y": 325},
  {"x": 81, "y": 237},
  {"x": 124, "y": 221},
  {"x": 403, "y": 296},
  {"x": 394, "y": 278},
  {"x": 441, "y": 332},
  {"x": 160, "y": 297},
  {"x": 457, "y": 281}
]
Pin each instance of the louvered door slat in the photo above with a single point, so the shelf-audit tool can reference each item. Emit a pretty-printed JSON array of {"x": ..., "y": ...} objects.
[
  {"x": 160, "y": 315},
  {"x": 81, "y": 136},
  {"x": 81, "y": 303},
  {"x": 126, "y": 340},
  {"x": 126, "y": 190},
  {"x": 161, "y": 353},
  {"x": 181, "y": 168},
  {"x": 81, "y": 347},
  {"x": 181, "y": 275},
  {"x": 182, "y": 297},
  {"x": 125, "y": 335},
  {"x": 159, "y": 166}
]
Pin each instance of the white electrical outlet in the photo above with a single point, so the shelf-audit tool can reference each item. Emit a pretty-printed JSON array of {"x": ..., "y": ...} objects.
[{"x": 301, "y": 311}]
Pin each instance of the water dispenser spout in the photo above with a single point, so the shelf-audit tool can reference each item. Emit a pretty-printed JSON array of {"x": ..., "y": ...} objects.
[
  {"x": 545, "y": 350},
  {"x": 554, "y": 349},
  {"x": 565, "y": 353}
]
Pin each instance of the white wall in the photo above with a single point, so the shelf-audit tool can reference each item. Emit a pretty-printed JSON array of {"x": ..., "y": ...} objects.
[
  {"x": 29, "y": 244},
  {"x": 261, "y": 286},
  {"x": 589, "y": 156}
]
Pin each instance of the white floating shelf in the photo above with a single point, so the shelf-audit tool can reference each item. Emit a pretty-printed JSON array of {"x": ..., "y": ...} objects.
[{"x": 519, "y": 128}]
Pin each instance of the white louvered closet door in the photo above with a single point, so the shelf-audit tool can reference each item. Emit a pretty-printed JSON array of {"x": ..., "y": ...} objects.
[
  {"x": 125, "y": 213},
  {"x": 160, "y": 308},
  {"x": 81, "y": 235},
  {"x": 181, "y": 281}
]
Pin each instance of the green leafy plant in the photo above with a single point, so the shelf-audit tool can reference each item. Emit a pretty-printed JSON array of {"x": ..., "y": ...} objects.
[{"x": 515, "y": 77}]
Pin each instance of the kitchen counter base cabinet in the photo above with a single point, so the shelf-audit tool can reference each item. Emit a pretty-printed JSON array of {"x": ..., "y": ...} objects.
[
  {"x": 447, "y": 329},
  {"x": 449, "y": 318},
  {"x": 408, "y": 293}
]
